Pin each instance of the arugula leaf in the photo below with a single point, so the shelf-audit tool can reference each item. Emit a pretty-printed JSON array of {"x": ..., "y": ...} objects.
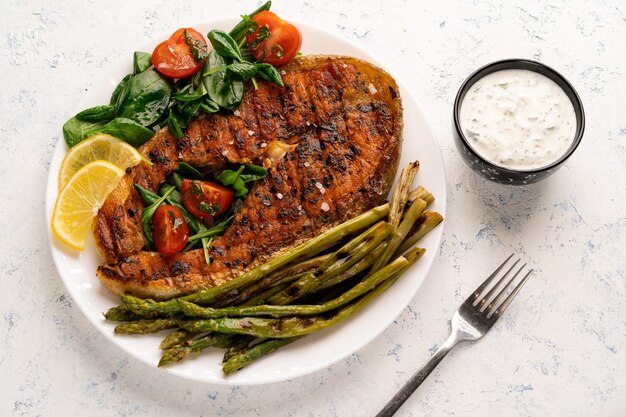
[
  {"x": 205, "y": 248},
  {"x": 173, "y": 197},
  {"x": 168, "y": 195},
  {"x": 198, "y": 48},
  {"x": 148, "y": 196},
  {"x": 187, "y": 170},
  {"x": 176, "y": 180},
  {"x": 147, "y": 213},
  {"x": 205, "y": 236},
  {"x": 216, "y": 229}
]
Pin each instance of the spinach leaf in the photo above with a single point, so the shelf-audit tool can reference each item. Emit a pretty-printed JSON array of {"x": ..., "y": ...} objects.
[
  {"x": 232, "y": 179},
  {"x": 270, "y": 73},
  {"x": 187, "y": 110},
  {"x": 75, "y": 130},
  {"x": 187, "y": 170},
  {"x": 188, "y": 96},
  {"x": 249, "y": 70},
  {"x": 119, "y": 90},
  {"x": 226, "y": 90},
  {"x": 147, "y": 213},
  {"x": 238, "y": 179},
  {"x": 192, "y": 91},
  {"x": 144, "y": 98},
  {"x": 224, "y": 45},
  {"x": 247, "y": 55},
  {"x": 174, "y": 125},
  {"x": 141, "y": 61},
  {"x": 209, "y": 106},
  {"x": 97, "y": 114},
  {"x": 243, "y": 69},
  {"x": 128, "y": 130}
]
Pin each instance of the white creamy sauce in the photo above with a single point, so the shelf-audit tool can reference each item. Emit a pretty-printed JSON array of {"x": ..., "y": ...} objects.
[{"x": 518, "y": 119}]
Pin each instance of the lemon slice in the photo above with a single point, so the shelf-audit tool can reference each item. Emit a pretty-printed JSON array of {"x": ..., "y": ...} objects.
[
  {"x": 99, "y": 147},
  {"x": 79, "y": 201}
]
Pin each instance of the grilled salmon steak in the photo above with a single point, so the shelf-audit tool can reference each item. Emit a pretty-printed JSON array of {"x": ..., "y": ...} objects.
[{"x": 330, "y": 140}]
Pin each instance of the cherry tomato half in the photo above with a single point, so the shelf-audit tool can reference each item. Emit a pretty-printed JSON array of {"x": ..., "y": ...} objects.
[
  {"x": 174, "y": 58},
  {"x": 283, "y": 43},
  {"x": 169, "y": 229},
  {"x": 206, "y": 199}
]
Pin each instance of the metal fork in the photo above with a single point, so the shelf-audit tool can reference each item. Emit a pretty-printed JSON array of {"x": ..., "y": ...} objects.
[{"x": 470, "y": 322}]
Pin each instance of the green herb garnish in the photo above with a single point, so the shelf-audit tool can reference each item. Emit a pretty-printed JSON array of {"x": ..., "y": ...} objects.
[{"x": 198, "y": 48}]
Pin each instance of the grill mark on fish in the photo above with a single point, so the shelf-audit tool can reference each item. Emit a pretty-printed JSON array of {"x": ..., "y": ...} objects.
[{"x": 344, "y": 162}]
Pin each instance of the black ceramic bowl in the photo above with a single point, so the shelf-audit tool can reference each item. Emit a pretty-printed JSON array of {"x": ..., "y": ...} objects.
[{"x": 504, "y": 175}]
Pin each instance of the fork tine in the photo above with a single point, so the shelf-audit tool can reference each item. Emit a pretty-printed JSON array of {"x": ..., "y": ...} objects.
[
  {"x": 503, "y": 292},
  {"x": 476, "y": 294},
  {"x": 487, "y": 300},
  {"x": 500, "y": 307}
]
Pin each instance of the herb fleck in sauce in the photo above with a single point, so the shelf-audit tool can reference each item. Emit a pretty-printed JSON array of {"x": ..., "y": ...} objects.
[{"x": 518, "y": 119}]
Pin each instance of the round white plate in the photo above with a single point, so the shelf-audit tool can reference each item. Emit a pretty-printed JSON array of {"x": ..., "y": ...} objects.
[{"x": 306, "y": 355}]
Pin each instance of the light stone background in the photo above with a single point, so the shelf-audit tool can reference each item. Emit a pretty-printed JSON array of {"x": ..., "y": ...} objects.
[{"x": 559, "y": 351}]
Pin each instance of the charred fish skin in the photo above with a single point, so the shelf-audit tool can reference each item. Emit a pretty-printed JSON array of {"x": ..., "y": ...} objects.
[{"x": 343, "y": 118}]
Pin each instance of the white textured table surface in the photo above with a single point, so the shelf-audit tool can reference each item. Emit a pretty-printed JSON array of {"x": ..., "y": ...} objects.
[{"x": 559, "y": 351}]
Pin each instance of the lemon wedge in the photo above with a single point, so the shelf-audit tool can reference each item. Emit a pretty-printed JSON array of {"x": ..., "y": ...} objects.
[
  {"x": 98, "y": 147},
  {"x": 79, "y": 201}
]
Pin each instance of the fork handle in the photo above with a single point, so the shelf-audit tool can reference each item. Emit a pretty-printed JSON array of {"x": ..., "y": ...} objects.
[{"x": 411, "y": 385}]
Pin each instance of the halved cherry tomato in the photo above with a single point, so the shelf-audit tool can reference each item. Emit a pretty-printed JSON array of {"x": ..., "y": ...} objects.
[
  {"x": 206, "y": 199},
  {"x": 169, "y": 229},
  {"x": 174, "y": 58},
  {"x": 283, "y": 43}
]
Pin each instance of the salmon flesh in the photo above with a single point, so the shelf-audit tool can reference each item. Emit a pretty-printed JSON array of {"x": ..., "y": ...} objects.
[{"x": 330, "y": 140}]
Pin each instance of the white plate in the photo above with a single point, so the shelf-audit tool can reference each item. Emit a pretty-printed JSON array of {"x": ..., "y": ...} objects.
[{"x": 306, "y": 355}]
